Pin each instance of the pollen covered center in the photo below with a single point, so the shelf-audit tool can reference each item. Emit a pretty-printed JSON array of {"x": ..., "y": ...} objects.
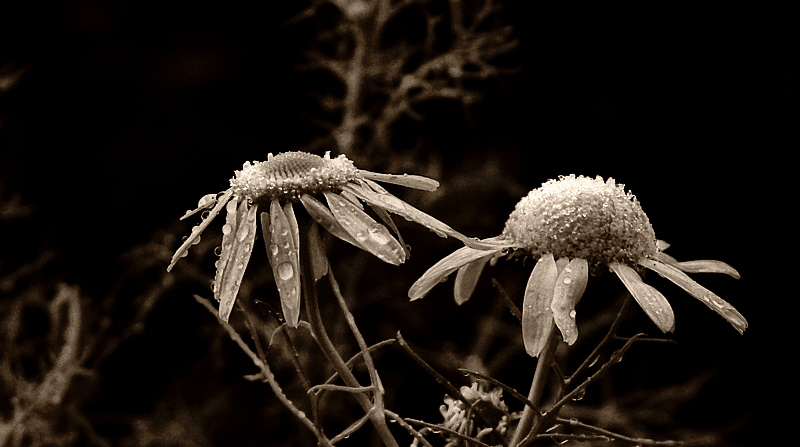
[
  {"x": 581, "y": 217},
  {"x": 288, "y": 175}
]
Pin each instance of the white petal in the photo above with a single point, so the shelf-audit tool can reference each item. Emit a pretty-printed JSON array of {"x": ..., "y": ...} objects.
[
  {"x": 447, "y": 265},
  {"x": 371, "y": 235},
  {"x": 241, "y": 247},
  {"x": 324, "y": 217},
  {"x": 707, "y": 297},
  {"x": 407, "y": 180},
  {"x": 394, "y": 205},
  {"x": 319, "y": 262},
  {"x": 228, "y": 237},
  {"x": 569, "y": 288},
  {"x": 467, "y": 279},
  {"x": 285, "y": 262},
  {"x": 207, "y": 201},
  {"x": 651, "y": 300},
  {"x": 183, "y": 249},
  {"x": 537, "y": 317},
  {"x": 701, "y": 266}
]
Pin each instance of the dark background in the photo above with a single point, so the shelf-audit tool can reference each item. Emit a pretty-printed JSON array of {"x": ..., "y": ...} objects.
[{"x": 128, "y": 112}]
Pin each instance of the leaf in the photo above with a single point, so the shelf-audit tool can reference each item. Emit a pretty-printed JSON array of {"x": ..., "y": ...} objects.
[
  {"x": 711, "y": 300},
  {"x": 240, "y": 250},
  {"x": 284, "y": 260},
  {"x": 372, "y": 236},
  {"x": 650, "y": 300},
  {"x": 537, "y": 317}
]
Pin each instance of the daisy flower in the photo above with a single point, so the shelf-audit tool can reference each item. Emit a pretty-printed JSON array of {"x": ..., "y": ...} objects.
[
  {"x": 332, "y": 191},
  {"x": 575, "y": 227}
]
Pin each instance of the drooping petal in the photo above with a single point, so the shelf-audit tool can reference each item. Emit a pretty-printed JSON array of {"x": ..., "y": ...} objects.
[
  {"x": 407, "y": 180},
  {"x": 183, "y": 249},
  {"x": 316, "y": 250},
  {"x": 701, "y": 266},
  {"x": 442, "y": 269},
  {"x": 537, "y": 317},
  {"x": 569, "y": 288},
  {"x": 371, "y": 235},
  {"x": 324, "y": 217},
  {"x": 285, "y": 262},
  {"x": 226, "y": 249},
  {"x": 394, "y": 205},
  {"x": 241, "y": 247},
  {"x": 650, "y": 300},
  {"x": 387, "y": 220},
  {"x": 205, "y": 202},
  {"x": 467, "y": 279},
  {"x": 707, "y": 297}
]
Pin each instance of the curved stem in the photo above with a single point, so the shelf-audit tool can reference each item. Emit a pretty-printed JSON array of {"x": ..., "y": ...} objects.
[
  {"x": 329, "y": 350},
  {"x": 526, "y": 423}
]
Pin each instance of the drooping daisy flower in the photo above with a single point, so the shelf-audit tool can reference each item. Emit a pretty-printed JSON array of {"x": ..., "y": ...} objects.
[
  {"x": 575, "y": 227},
  {"x": 331, "y": 191}
]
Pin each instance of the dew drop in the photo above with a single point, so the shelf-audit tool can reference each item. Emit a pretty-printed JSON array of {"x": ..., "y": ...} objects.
[
  {"x": 247, "y": 247},
  {"x": 360, "y": 237},
  {"x": 218, "y": 250},
  {"x": 240, "y": 265},
  {"x": 567, "y": 280},
  {"x": 579, "y": 395},
  {"x": 572, "y": 313},
  {"x": 227, "y": 228},
  {"x": 196, "y": 240},
  {"x": 285, "y": 271},
  {"x": 231, "y": 206},
  {"x": 378, "y": 235},
  {"x": 273, "y": 249},
  {"x": 243, "y": 233}
]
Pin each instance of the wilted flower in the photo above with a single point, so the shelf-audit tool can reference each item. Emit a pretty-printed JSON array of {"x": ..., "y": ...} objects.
[
  {"x": 576, "y": 227},
  {"x": 461, "y": 418},
  {"x": 272, "y": 187}
]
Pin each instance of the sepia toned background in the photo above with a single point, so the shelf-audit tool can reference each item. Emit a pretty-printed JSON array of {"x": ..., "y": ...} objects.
[{"x": 115, "y": 117}]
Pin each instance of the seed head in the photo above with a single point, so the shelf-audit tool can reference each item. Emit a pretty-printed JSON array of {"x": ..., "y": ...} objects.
[
  {"x": 291, "y": 174},
  {"x": 580, "y": 217}
]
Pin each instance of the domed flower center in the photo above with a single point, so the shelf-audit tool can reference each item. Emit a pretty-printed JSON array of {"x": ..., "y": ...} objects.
[
  {"x": 288, "y": 175},
  {"x": 580, "y": 217}
]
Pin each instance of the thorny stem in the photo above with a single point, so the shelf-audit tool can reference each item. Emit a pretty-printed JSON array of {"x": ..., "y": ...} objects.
[
  {"x": 526, "y": 423},
  {"x": 329, "y": 350}
]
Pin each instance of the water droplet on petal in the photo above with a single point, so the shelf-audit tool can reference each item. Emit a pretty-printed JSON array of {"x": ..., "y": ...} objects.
[
  {"x": 240, "y": 265},
  {"x": 243, "y": 232},
  {"x": 360, "y": 237},
  {"x": 285, "y": 271},
  {"x": 378, "y": 235},
  {"x": 218, "y": 250},
  {"x": 227, "y": 228},
  {"x": 567, "y": 280},
  {"x": 572, "y": 313},
  {"x": 273, "y": 249}
]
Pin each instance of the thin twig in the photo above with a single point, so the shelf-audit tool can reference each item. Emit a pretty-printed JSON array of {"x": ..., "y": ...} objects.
[
  {"x": 615, "y": 436},
  {"x": 417, "y": 434},
  {"x": 265, "y": 372},
  {"x": 442, "y": 428},
  {"x": 511, "y": 306},
  {"x": 516, "y": 394}
]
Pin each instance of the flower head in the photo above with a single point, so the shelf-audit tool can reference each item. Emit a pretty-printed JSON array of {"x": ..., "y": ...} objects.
[
  {"x": 576, "y": 227},
  {"x": 331, "y": 190}
]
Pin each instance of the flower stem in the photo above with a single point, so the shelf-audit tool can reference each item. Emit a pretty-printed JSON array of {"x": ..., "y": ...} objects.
[
  {"x": 526, "y": 423},
  {"x": 377, "y": 418}
]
